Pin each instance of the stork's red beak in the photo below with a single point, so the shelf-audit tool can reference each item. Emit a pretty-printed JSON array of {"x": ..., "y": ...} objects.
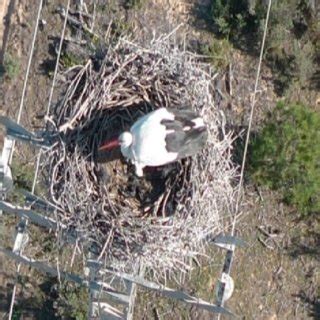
[{"x": 109, "y": 145}]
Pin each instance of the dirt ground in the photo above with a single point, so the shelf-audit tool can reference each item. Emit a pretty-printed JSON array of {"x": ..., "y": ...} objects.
[
  {"x": 3, "y": 12},
  {"x": 4, "y": 17},
  {"x": 277, "y": 276}
]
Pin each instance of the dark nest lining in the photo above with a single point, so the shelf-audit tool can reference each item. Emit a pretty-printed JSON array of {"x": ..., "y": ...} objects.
[{"x": 163, "y": 218}]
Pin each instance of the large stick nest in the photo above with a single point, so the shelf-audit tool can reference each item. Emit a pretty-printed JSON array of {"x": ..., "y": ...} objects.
[{"x": 164, "y": 219}]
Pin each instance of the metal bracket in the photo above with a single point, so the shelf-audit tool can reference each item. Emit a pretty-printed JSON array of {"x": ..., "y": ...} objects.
[
  {"x": 21, "y": 238},
  {"x": 6, "y": 182},
  {"x": 228, "y": 242}
]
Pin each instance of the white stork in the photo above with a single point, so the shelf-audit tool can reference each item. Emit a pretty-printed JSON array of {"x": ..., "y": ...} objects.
[{"x": 160, "y": 137}]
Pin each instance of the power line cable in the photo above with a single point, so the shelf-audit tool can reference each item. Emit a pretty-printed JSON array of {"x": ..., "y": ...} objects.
[
  {"x": 25, "y": 221},
  {"x": 230, "y": 252}
]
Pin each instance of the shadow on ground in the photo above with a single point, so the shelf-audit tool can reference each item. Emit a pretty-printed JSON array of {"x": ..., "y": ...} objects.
[
  {"x": 308, "y": 245},
  {"x": 39, "y": 306},
  {"x": 312, "y": 302}
]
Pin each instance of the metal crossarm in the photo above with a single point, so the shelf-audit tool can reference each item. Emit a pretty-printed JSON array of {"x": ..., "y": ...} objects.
[
  {"x": 24, "y": 213},
  {"x": 14, "y": 127},
  {"x": 37, "y": 202},
  {"x": 39, "y": 219},
  {"x": 226, "y": 241},
  {"x": 170, "y": 293},
  {"x": 16, "y": 131},
  {"x": 105, "y": 288}
]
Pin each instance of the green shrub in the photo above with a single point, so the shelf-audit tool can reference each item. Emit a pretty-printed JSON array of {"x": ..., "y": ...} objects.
[
  {"x": 219, "y": 51},
  {"x": 22, "y": 175},
  {"x": 285, "y": 156},
  {"x": 292, "y": 41},
  {"x": 10, "y": 67},
  {"x": 68, "y": 60},
  {"x": 134, "y": 4},
  {"x": 232, "y": 17},
  {"x": 72, "y": 302}
]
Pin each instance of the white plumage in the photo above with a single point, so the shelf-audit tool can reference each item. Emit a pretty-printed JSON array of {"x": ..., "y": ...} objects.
[
  {"x": 148, "y": 147},
  {"x": 161, "y": 137}
]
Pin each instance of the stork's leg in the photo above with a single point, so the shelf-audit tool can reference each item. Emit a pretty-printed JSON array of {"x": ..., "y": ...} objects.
[
  {"x": 139, "y": 169},
  {"x": 133, "y": 183}
]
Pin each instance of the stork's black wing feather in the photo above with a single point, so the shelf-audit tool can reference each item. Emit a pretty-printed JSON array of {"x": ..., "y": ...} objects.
[
  {"x": 186, "y": 143},
  {"x": 184, "y": 117},
  {"x": 184, "y": 136}
]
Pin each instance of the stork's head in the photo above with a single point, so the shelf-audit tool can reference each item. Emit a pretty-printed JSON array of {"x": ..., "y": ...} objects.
[{"x": 125, "y": 139}]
